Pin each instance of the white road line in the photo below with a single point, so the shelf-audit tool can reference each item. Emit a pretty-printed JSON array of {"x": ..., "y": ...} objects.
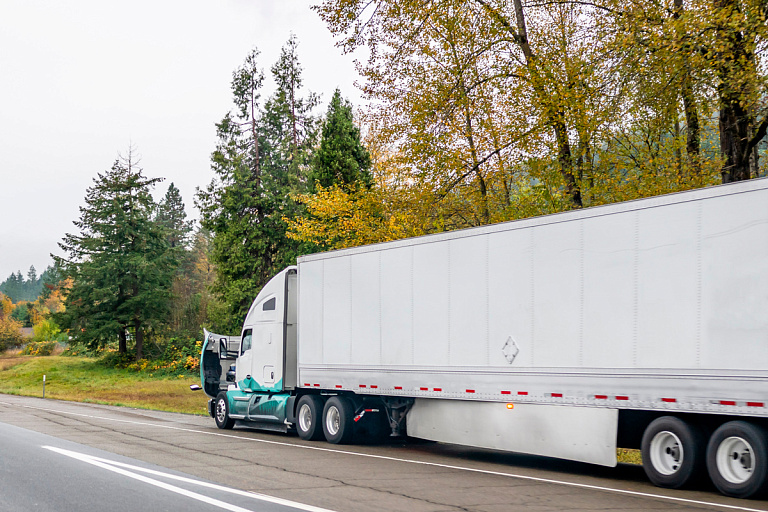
[
  {"x": 409, "y": 461},
  {"x": 150, "y": 481},
  {"x": 115, "y": 466}
]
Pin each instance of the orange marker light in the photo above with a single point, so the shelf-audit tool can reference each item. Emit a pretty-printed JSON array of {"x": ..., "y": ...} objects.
[{"x": 510, "y": 406}]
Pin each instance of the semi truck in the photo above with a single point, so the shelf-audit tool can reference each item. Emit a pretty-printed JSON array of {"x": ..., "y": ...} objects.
[{"x": 641, "y": 324}]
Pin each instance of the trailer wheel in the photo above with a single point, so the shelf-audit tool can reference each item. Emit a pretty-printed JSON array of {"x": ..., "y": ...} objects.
[
  {"x": 338, "y": 420},
  {"x": 737, "y": 459},
  {"x": 309, "y": 413},
  {"x": 222, "y": 412},
  {"x": 673, "y": 452}
]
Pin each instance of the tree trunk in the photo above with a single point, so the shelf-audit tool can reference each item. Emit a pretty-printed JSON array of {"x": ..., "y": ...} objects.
[
  {"x": 139, "y": 333},
  {"x": 693, "y": 139},
  {"x": 736, "y": 73},
  {"x": 734, "y": 137},
  {"x": 122, "y": 344},
  {"x": 553, "y": 115}
]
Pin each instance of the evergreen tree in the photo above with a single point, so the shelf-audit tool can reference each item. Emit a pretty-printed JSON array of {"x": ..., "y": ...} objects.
[
  {"x": 18, "y": 289},
  {"x": 172, "y": 216},
  {"x": 120, "y": 262},
  {"x": 257, "y": 164},
  {"x": 290, "y": 127},
  {"x": 341, "y": 158},
  {"x": 32, "y": 275}
]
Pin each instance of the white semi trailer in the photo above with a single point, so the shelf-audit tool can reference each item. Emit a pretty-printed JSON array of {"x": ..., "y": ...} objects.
[{"x": 640, "y": 325}]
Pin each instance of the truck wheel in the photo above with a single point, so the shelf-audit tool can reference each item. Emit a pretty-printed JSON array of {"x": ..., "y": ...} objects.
[
  {"x": 309, "y": 415},
  {"x": 736, "y": 459},
  {"x": 338, "y": 420},
  {"x": 222, "y": 412},
  {"x": 673, "y": 452}
]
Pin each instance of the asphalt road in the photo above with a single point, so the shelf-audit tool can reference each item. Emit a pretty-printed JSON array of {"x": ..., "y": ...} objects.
[
  {"x": 182, "y": 450},
  {"x": 43, "y": 473}
]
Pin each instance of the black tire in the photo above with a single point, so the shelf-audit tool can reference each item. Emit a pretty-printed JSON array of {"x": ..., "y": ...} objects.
[
  {"x": 673, "y": 452},
  {"x": 737, "y": 459},
  {"x": 221, "y": 412},
  {"x": 309, "y": 418},
  {"x": 338, "y": 420}
]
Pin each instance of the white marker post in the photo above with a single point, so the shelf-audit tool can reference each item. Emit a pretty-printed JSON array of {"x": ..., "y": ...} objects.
[{"x": 43, "y": 386}]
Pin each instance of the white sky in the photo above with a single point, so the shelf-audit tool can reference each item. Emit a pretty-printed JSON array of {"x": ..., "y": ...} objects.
[{"x": 80, "y": 80}]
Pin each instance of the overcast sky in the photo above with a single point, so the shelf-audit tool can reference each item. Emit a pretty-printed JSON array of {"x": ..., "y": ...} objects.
[{"x": 81, "y": 80}]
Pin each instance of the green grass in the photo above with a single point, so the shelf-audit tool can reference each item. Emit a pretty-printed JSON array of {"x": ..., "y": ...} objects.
[{"x": 82, "y": 379}]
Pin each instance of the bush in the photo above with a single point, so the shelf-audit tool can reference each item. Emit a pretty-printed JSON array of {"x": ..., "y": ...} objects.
[
  {"x": 176, "y": 355},
  {"x": 39, "y": 348},
  {"x": 164, "y": 356},
  {"x": 47, "y": 330},
  {"x": 10, "y": 334}
]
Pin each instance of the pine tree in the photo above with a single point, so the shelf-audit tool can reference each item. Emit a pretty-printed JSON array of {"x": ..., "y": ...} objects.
[
  {"x": 172, "y": 216},
  {"x": 120, "y": 262},
  {"x": 341, "y": 158},
  {"x": 258, "y": 168}
]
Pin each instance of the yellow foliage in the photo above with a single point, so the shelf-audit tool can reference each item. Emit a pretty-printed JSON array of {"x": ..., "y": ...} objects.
[
  {"x": 10, "y": 333},
  {"x": 6, "y": 306}
]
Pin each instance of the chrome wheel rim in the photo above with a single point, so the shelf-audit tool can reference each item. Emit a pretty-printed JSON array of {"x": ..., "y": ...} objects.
[
  {"x": 666, "y": 453},
  {"x": 735, "y": 460},
  {"x": 221, "y": 411},
  {"x": 305, "y": 418},
  {"x": 333, "y": 420}
]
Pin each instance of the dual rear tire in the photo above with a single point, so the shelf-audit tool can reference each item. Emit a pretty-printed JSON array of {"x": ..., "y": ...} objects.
[
  {"x": 334, "y": 420},
  {"x": 676, "y": 454}
]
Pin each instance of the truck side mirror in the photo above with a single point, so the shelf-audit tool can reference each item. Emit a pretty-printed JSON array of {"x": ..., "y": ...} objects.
[{"x": 223, "y": 348}]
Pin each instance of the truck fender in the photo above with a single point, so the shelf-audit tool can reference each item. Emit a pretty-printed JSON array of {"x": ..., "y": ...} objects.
[{"x": 290, "y": 409}]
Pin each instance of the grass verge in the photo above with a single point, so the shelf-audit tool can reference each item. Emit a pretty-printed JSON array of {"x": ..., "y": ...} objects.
[{"x": 82, "y": 379}]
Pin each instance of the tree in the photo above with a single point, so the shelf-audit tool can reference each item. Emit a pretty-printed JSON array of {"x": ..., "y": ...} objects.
[
  {"x": 120, "y": 262},
  {"x": 10, "y": 329},
  {"x": 288, "y": 118},
  {"x": 192, "y": 301},
  {"x": 18, "y": 289},
  {"x": 172, "y": 216},
  {"x": 341, "y": 158},
  {"x": 561, "y": 104},
  {"x": 257, "y": 164}
]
